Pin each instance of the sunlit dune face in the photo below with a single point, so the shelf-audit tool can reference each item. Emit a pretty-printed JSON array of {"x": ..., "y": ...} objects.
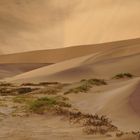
[{"x": 46, "y": 24}]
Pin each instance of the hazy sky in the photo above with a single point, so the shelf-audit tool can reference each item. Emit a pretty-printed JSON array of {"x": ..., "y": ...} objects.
[{"x": 46, "y": 24}]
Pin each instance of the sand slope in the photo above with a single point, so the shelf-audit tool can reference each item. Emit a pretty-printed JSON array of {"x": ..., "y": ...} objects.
[
  {"x": 105, "y": 63},
  {"x": 118, "y": 100},
  {"x": 12, "y": 69},
  {"x": 57, "y": 55}
]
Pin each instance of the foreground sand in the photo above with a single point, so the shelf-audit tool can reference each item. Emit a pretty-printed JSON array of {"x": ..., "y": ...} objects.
[{"x": 118, "y": 100}]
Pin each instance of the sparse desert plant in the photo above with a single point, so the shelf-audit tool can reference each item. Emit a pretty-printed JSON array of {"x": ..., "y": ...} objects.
[
  {"x": 86, "y": 85},
  {"x": 123, "y": 75},
  {"x": 83, "y": 89},
  {"x": 29, "y": 84},
  {"x": 96, "y": 130},
  {"x": 7, "y": 91},
  {"x": 48, "y": 83},
  {"x": 24, "y": 90},
  {"x": 135, "y": 132}
]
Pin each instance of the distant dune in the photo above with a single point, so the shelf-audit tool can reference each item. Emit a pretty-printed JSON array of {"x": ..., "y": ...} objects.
[
  {"x": 104, "y": 60},
  {"x": 58, "y": 55}
]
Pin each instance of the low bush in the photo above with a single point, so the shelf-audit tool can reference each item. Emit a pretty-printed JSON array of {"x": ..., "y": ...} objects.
[{"x": 24, "y": 90}]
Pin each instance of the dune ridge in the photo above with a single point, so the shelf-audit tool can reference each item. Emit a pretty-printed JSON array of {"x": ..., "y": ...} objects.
[{"x": 57, "y": 55}]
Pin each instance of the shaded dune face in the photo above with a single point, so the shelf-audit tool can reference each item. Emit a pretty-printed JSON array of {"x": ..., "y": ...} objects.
[
  {"x": 45, "y": 24},
  {"x": 135, "y": 100},
  {"x": 104, "y": 64},
  {"x": 11, "y": 69}
]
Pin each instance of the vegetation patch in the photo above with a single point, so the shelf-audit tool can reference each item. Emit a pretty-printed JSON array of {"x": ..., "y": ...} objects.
[
  {"x": 40, "y": 84},
  {"x": 24, "y": 99},
  {"x": 123, "y": 75},
  {"x": 86, "y": 85},
  {"x": 5, "y": 84},
  {"x": 92, "y": 124},
  {"x": 46, "y": 103},
  {"x": 24, "y": 90},
  {"x": 5, "y": 91}
]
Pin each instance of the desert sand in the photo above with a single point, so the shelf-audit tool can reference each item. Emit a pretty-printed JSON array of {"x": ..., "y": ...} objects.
[
  {"x": 118, "y": 99},
  {"x": 69, "y": 70}
]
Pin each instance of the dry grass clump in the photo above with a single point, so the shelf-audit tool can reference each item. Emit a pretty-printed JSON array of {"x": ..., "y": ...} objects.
[
  {"x": 123, "y": 75},
  {"x": 29, "y": 84},
  {"x": 93, "y": 124},
  {"x": 12, "y": 91},
  {"x": 40, "y": 84},
  {"x": 48, "y": 91},
  {"x": 48, "y": 83},
  {"x": 86, "y": 86},
  {"x": 80, "y": 89},
  {"x": 5, "y": 84},
  {"x": 24, "y": 90},
  {"x": 4, "y": 91},
  {"x": 97, "y": 82}
]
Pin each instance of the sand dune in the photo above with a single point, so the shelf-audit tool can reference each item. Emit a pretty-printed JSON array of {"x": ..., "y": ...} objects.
[
  {"x": 9, "y": 70},
  {"x": 57, "y": 55},
  {"x": 118, "y": 100},
  {"x": 104, "y": 63}
]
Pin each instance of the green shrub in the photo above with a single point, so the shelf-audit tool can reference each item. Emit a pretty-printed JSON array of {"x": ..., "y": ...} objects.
[{"x": 44, "y": 103}]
